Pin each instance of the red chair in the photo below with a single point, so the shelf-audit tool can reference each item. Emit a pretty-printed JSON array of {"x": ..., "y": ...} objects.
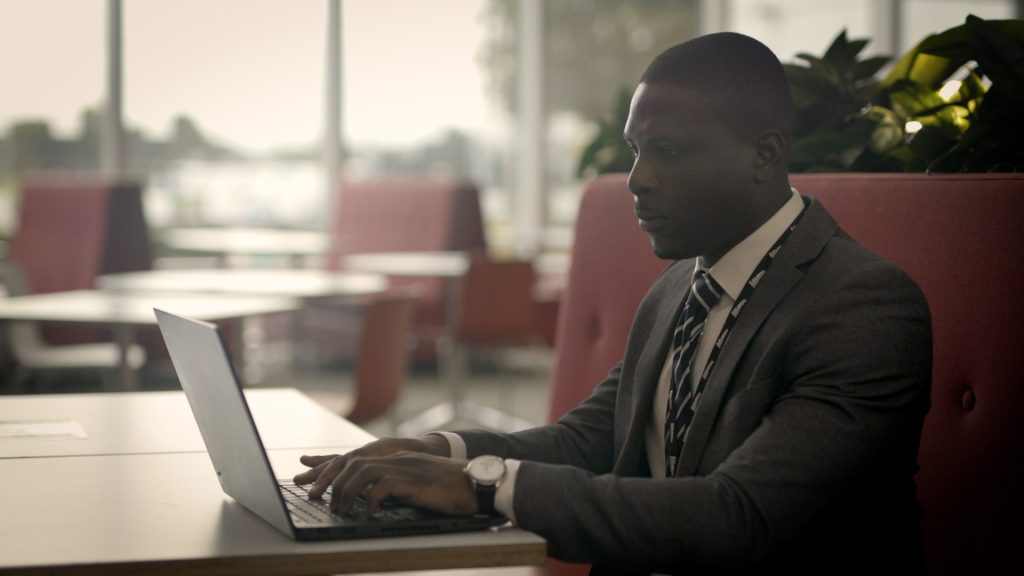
[
  {"x": 612, "y": 268},
  {"x": 383, "y": 347},
  {"x": 498, "y": 308},
  {"x": 497, "y": 312},
  {"x": 961, "y": 237},
  {"x": 71, "y": 229},
  {"x": 409, "y": 215},
  {"x": 74, "y": 228}
]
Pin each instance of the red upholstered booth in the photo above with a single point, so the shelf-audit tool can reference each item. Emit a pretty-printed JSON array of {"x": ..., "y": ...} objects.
[
  {"x": 612, "y": 266},
  {"x": 409, "y": 215},
  {"x": 961, "y": 237},
  {"x": 72, "y": 228}
]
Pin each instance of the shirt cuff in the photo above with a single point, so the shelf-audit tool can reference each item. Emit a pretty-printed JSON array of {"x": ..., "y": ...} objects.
[
  {"x": 503, "y": 501},
  {"x": 456, "y": 445}
]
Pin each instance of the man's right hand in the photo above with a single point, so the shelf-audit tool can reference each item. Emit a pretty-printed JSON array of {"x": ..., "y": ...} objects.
[{"x": 325, "y": 468}]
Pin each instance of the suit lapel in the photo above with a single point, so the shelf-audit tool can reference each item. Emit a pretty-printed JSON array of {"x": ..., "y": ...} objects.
[
  {"x": 648, "y": 369},
  {"x": 803, "y": 245}
]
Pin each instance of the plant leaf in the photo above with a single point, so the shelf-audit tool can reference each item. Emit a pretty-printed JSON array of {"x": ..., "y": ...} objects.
[
  {"x": 868, "y": 68},
  {"x": 910, "y": 99},
  {"x": 999, "y": 51},
  {"x": 836, "y": 51}
]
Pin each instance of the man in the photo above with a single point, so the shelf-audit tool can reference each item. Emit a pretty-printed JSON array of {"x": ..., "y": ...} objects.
[{"x": 768, "y": 407}]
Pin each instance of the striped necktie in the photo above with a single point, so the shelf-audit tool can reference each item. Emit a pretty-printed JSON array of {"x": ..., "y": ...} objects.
[{"x": 683, "y": 399}]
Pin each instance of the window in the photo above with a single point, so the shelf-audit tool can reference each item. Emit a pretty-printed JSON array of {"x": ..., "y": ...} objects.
[
  {"x": 223, "y": 103},
  {"x": 53, "y": 88}
]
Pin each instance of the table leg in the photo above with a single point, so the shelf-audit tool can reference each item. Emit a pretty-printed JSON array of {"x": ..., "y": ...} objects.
[
  {"x": 451, "y": 369},
  {"x": 127, "y": 376}
]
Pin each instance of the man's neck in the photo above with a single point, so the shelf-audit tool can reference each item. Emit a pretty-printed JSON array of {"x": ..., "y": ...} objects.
[
  {"x": 760, "y": 213},
  {"x": 771, "y": 204}
]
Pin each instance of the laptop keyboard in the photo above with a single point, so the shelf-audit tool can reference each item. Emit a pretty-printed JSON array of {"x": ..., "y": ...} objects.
[{"x": 308, "y": 510}]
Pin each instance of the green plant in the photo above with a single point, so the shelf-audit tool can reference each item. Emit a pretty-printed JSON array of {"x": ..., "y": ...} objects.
[
  {"x": 829, "y": 95},
  {"x": 607, "y": 151},
  {"x": 950, "y": 104},
  {"x": 964, "y": 88}
]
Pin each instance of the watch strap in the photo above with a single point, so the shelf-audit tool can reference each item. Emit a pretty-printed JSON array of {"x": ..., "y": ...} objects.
[{"x": 485, "y": 498}]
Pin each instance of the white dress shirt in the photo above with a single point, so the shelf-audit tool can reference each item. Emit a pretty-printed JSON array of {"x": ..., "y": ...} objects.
[{"x": 731, "y": 272}]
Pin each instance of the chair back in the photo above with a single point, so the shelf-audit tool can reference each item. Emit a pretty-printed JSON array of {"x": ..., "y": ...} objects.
[
  {"x": 74, "y": 228},
  {"x": 383, "y": 354},
  {"x": 402, "y": 215},
  {"x": 612, "y": 266},
  {"x": 497, "y": 305},
  {"x": 409, "y": 215},
  {"x": 961, "y": 238}
]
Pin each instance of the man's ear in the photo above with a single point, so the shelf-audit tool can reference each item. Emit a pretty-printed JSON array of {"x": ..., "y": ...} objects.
[{"x": 768, "y": 148}]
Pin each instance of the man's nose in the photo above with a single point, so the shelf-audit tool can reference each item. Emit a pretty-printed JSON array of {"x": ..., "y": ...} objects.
[{"x": 641, "y": 180}]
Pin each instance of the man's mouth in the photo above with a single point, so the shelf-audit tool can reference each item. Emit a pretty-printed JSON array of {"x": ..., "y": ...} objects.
[{"x": 650, "y": 222}]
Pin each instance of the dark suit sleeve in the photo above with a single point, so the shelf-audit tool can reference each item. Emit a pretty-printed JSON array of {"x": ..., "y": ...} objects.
[
  {"x": 582, "y": 438},
  {"x": 853, "y": 374}
]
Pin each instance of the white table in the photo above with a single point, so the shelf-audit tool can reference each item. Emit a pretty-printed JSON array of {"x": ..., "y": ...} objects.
[
  {"x": 162, "y": 422},
  {"x": 154, "y": 506},
  {"x": 313, "y": 288},
  {"x": 451, "y": 266},
  {"x": 235, "y": 241},
  {"x": 124, "y": 312},
  {"x": 294, "y": 283}
]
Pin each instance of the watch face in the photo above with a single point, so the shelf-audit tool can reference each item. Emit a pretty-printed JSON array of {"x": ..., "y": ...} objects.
[{"x": 487, "y": 469}]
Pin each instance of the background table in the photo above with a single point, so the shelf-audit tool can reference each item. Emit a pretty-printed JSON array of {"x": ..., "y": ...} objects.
[
  {"x": 305, "y": 284},
  {"x": 225, "y": 242},
  {"x": 160, "y": 510},
  {"x": 126, "y": 311}
]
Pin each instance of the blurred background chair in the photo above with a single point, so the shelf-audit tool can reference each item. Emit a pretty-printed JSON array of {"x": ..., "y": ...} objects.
[
  {"x": 401, "y": 215},
  {"x": 612, "y": 267},
  {"x": 34, "y": 356},
  {"x": 384, "y": 343},
  {"x": 498, "y": 314},
  {"x": 72, "y": 228}
]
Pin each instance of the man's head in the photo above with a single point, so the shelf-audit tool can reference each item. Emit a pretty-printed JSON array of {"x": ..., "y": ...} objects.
[{"x": 710, "y": 126}]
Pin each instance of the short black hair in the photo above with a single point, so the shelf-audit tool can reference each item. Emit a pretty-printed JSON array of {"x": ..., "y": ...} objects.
[{"x": 744, "y": 80}]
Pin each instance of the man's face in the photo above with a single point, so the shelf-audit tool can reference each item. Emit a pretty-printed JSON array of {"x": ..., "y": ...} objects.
[{"x": 692, "y": 178}]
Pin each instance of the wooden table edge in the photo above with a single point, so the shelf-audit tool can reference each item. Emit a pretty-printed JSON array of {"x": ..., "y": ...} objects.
[{"x": 328, "y": 562}]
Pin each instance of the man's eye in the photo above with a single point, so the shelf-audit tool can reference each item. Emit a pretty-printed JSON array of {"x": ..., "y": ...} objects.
[
  {"x": 633, "y": 151},
  {"x": 668, "y": 152}
]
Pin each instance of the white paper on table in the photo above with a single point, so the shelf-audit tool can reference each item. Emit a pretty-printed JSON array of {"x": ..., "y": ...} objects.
[{"x": 56, "y": 429}]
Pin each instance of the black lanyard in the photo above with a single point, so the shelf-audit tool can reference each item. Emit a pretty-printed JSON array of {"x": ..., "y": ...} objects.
[{"x": 741, "y": 301}]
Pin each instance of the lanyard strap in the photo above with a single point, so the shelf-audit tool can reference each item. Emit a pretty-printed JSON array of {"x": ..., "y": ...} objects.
[{"x": 741, "y": 301}]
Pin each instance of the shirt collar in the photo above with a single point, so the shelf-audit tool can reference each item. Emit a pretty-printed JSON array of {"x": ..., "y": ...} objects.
[{"x": 734, "y": 268}]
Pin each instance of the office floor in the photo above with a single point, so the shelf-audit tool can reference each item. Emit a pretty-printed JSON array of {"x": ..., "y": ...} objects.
[{"x": 517, "y": 382}]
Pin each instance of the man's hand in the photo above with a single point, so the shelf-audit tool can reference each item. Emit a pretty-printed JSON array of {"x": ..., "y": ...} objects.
[{"x": 415, "y": 470}]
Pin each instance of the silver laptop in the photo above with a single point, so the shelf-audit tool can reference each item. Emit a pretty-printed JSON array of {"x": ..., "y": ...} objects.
[{"x": 204, "y": 369}]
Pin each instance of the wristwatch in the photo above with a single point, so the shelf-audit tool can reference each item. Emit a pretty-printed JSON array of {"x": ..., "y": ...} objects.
[{"x": 485, "y": 474}]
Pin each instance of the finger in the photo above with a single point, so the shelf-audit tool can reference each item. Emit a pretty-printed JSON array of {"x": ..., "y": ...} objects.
[
  {"x": 386, "y": 487},
  {"x": 356, "y": 477},
  {"x": 327, "y": 475},
  {"x": 313, "y": 472},
  {"x": 316, "y": 460}
]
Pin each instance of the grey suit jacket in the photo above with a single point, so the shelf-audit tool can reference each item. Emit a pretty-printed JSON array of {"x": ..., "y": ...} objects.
[{"x": 801, "y": 455}]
